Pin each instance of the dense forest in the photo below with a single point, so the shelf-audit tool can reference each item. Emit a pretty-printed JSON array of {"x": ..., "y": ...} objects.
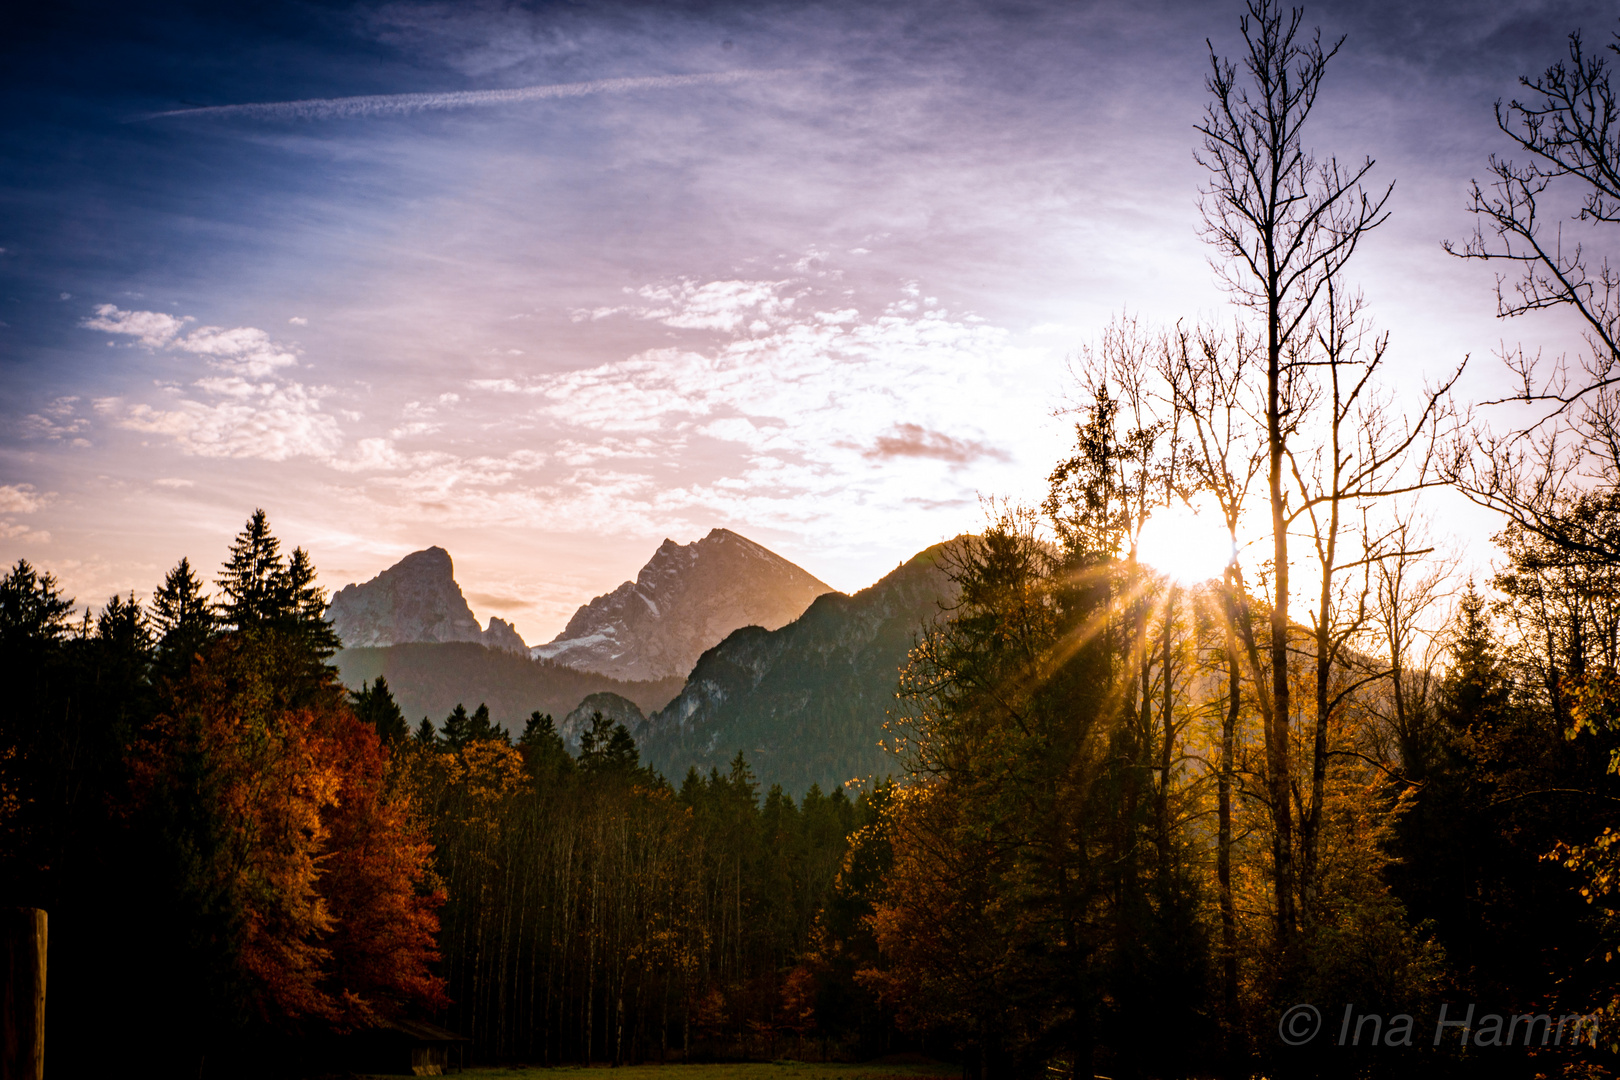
[{"x": 1137, "y": 826}]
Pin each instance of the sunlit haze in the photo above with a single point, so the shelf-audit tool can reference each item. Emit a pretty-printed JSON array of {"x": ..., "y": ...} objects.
[{"x": 610, "y": 273}]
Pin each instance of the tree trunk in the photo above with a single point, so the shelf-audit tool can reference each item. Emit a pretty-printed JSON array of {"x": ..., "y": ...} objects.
[
  {"x": 1223, "y": 850},
  {"x": 1277, "y": 764},
  {"x": 22, "y": 999}
]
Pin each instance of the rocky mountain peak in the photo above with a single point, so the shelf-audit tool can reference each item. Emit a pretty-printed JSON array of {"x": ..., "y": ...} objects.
[
  {"x": 416, "y": 599},
  {"x": 613, "y": 707},
  {"x": 685, "y": 600}
]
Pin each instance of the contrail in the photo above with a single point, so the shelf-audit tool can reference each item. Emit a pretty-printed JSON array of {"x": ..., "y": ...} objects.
[{"x": 400, "y": 104}]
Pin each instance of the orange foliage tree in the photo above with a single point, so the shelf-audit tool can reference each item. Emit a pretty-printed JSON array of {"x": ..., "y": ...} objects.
[{"x": 305, "y": 863}]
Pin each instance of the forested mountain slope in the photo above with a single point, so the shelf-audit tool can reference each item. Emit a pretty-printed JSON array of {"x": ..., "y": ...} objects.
[
  {"x": 430, "y": 679},
  {"x": 805, "y": 703}
]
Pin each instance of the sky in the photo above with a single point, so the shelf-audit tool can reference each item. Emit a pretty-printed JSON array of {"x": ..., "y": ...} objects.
[{"x": 547, "y": 283}]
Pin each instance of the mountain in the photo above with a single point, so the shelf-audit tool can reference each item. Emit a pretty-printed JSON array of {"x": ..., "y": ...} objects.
[
  {"x": 620, "y": 710},
  {"x": 685, "y": 600},
  {"x": 431, "y": 678},
  {"x": 416, "y": 599},
  {"x": 805, "y": 703}
]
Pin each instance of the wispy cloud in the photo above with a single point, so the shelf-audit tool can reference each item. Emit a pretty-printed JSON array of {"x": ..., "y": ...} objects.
[
  {"x": 56, "y": 421},
  {"x": 914, "y": 440},
  {"x": 776, "y": 423},
  {"x": 261, "y": 420},
  {"x": 245, "y": 411},
  {"x": 21, "y": 499},
  {"x": 243, "y": 350},
  {"x": 367, "y": 105}
]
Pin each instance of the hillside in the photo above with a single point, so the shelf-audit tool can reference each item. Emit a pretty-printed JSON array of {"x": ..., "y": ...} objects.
[
  {"x": 805, "y": 703},
  {"x": 430, "y": 678}
]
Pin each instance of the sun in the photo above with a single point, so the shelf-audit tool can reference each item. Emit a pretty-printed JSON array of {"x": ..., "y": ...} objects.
[{"x": 1188, "y": 546}]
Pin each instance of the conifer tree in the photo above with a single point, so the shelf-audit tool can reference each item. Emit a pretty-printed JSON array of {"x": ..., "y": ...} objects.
[
  {"x": 425, "y": 734},
  {"x": 182, "y": 617},
  {"x": 608, "y": 747},
  {"x": 123, "y": 624},
  {"x": 303, "y": 605},
  {"x": 481, "y": 727},
  {"x": 539, "y": 730},
  {"x": 458, "y": 727},
  {"x": 32, "y": 607},
  {"x": 375, "y": 704},
  {"x": 1476, "y": 689},
  {"x": 253, "y": 580},
  {"x": 543, "y": 751}
]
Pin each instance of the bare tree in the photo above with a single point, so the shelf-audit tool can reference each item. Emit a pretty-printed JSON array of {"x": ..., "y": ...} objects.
[
  {"x": 1283, "y": 223},
  {"x": 1569, "y": 127},
  {"x": 1410, "y": 601},
  {"x": 1208, "y": 375},
  {"x": 1369, "y": 452}
]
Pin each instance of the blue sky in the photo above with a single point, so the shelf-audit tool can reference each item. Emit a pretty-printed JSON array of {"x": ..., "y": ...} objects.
[{"x": 824, "y": 298}]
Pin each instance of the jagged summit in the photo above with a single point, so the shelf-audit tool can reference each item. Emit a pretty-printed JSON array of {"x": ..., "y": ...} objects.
[
  {"x": 684, "y": 601},
  {"x": 416, "y": 599}
]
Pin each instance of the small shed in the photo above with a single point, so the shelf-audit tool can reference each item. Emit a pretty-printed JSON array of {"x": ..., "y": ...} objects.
[{"x": 410, "y": 1048}]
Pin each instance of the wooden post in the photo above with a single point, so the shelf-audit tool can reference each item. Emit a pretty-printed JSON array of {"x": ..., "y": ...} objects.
[{"x": 22, "y": 994}]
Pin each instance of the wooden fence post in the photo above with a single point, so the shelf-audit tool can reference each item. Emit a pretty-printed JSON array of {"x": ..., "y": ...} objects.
[{"x": 22, "y": 994}]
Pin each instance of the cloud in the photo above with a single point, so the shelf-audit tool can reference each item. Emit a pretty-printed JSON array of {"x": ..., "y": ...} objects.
[
  {"x": 245, "y": 411},
  {"x": 369, "y": 105},
  {"x": 267, "y": 421},
  {"x": 56, "y": 421},
  {"x": 380, "y": 455},
  {"x": 153, "y": 328},
  {"x": 244, "y": 350},
  {"x": 174, "y": 482},
  {"x": 914, "y": 440},
  {"x": 718, "y": 305},
  {"x": 10, "y": 531},
  {"x": 21, "y": 499},
  {"x": 770, "y": 426}
]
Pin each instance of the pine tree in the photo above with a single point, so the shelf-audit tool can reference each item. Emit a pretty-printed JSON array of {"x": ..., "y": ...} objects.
[
  {"x": 608, "y": 747},
  {"x": 544, "y": 754},
  {"x": 376, "y": 706},
  {"x": 481, "y": 727},
  {"x": 182, "y": 618},
  {"x": 123, "y": 625},
  {"x": 1476, "y": 690},
  {"x": 458, "y": 728},
  {"x": 253, "y": 580},
  {"x": 303, "y": 605},
  {"x": 425, "y": 734},
  {"x": 539, "y": 730},
  {"x": 32, "y": 607}
]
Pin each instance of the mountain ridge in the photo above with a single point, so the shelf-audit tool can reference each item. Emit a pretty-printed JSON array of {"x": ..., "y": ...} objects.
[
  {"x": 684, "y": 600},
  {"x": 415, "y": 600},
  {"x": 805, "y": 703}
]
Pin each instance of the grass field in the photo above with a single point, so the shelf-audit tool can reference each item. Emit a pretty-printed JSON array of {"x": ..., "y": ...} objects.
[{"x": 903, "y": 1067}]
